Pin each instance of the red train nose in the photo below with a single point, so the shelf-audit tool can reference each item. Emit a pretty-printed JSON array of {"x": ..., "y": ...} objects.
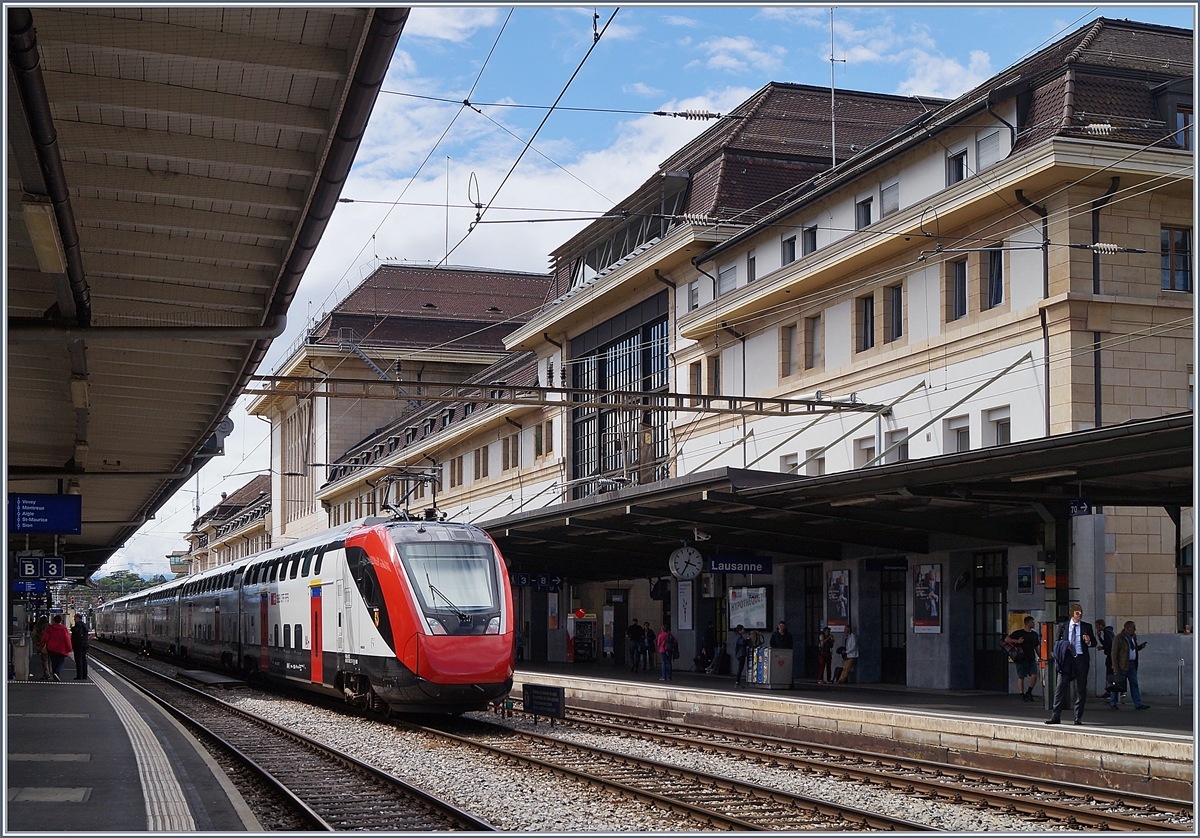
[{"x": 477, "y": 659}]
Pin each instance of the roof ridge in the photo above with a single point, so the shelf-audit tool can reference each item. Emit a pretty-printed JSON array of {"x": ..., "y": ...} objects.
[{"x": 1093, "y": 32}]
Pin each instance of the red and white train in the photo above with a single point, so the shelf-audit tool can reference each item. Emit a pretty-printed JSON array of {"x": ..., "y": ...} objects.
[{"x": 409, "y": 616}]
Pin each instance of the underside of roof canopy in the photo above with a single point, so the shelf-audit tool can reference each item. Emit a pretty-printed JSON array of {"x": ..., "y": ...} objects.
[{"x": 170, "y": 172}]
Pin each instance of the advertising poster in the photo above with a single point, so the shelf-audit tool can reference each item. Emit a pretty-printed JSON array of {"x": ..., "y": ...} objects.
[
  {"x": 552, "y": 611},
  {"x": 684, "y": 621},
  {"x": 1025, "y": 579},
  {"x": 927, "y": 599},
  {"x": 606, "y": 618},
  {"x": 748, "y": 607},
  {"x": 837, "y": 606}
]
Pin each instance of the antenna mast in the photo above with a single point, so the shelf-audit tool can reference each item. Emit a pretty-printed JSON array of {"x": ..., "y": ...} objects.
[{"x": 832, "y": 91}]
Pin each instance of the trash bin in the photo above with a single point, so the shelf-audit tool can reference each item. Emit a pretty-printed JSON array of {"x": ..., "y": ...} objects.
[{"x": 775, "y": 669}]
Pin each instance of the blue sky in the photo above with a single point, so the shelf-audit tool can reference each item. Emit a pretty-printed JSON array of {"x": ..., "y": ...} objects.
[{"x": 671, "y": 57}]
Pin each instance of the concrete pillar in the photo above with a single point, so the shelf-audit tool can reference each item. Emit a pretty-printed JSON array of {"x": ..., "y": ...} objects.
[{"x": 1087, "y": 579}]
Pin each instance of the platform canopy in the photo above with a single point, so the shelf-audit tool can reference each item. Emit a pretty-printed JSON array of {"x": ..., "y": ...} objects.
[
  {"x": 999, "y": 495},
  {"x": 170, "y": 172}
]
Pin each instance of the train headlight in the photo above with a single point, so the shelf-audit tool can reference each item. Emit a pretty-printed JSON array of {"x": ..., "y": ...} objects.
[
  {"x": 435, "y": 626},
  {"x": 493, "y": 626}
]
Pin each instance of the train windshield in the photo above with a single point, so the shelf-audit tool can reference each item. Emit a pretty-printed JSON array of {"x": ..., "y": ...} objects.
[{"x": 451, "y": 577}]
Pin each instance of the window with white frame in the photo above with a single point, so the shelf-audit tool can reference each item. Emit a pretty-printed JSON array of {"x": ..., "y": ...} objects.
[
  {"x": 899, "y": 439},
  {"x": 862, "y": 213},
  {"x": 958, "y": 434},
  {"x": 693, "y": 295},
  {"x": 987, "y": 150},
  {"x": 788, "y": 463},
  {"x": 956, "y": 289},
  {"x": 726, "y": 279},
  {"x": 787, "y": 251},
  {"x": 714, "y": 375},
  {"x": 751, "y": 266},
  {"x": 995, "y": 287},
  {"x": 809, "y": 239},
  {"x": 889, "y": 199},
  {"x": 814, "y": 465},
  {"x": 998, "y": 426},
  {"x": 696, "y": 380},
  {"x": 956, "y": 167},
  {"x": 894, "y": 299},
  {"x": 866, "y": 322},
  {"x": 864, "y": 451}
]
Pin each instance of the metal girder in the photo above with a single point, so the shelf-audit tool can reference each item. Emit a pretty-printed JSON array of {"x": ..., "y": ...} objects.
[
  {"x": 798, "y": 541},
  {"x": 533, "y": 395},
  {"x": 175, "y": 186}
]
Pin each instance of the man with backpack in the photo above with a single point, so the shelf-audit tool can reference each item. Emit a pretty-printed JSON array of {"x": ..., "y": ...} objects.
[
  {"x": 739, "y": 654},
  {"x": 668, "y": 650},
  {"x": 1021, "y": 646}
]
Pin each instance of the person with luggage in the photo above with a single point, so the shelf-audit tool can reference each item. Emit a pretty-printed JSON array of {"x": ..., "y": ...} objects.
[{"x": 1026, "y": 639}]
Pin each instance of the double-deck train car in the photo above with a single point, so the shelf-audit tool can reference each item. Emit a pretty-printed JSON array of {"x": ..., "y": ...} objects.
[{"x": 410, "y": 616}]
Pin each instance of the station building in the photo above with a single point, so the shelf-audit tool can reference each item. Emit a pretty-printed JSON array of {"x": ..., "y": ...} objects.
[{"x": 858, "y": 371}]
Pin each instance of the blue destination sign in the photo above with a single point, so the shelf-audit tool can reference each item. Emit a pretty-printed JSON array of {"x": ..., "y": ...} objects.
[
  {"x": 49, "y": 514},
  {"x": 738, "y": 564},
  {"x": 538, "y": 581},
  {"x": 1079, "y": 506},
  {"x": 29, "y": 587}
]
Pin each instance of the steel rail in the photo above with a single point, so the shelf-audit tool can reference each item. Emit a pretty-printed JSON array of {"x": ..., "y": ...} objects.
[
  {"x": 443, "y": 808},
  {"x": 946, "y": 783}
]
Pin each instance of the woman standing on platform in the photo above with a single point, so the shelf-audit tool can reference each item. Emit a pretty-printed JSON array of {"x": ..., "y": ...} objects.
[
  {"x": 825, "y": 657},
  {"x": 58, "y": 644},
  {"x": 39, "y": 643},
  {"x": 667, "y": 650}
]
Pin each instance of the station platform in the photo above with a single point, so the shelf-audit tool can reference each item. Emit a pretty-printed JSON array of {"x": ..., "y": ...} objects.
[
  {"x": 95, "y": 755},
  {"x": 1149, "y": 751}
]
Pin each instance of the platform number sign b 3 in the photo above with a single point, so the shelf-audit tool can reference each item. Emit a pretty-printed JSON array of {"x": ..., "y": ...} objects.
[{"x": 42, "y": 567}]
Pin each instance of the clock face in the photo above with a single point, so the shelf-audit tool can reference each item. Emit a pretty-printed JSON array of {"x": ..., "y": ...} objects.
[{"x": 686, "y": 563}]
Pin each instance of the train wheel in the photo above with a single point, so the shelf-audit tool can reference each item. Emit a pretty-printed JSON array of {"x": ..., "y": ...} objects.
[{"x": 379, "y": 706}]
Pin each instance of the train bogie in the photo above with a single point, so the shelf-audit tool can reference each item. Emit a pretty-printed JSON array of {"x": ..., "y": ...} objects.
[{"x": 392, "y": 615}]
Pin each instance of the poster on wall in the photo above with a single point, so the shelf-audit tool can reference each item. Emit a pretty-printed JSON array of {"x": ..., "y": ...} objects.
[
  {"x": 552, "y": 611},
  {"x": 748, "y": 607},
  {"x": 606, "y": 618},
  {"x": 927, "y": 599},
  {"x": 837, "y": 605},
  {"x": 684, "y": 623},
  {"x": 1025, "y": 579}
]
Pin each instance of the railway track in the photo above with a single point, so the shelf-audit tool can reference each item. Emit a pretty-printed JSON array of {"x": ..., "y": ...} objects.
[
  {"x": 716, "y": 801},
  {"x": 325, "y": 788},
  {"x": 1043, "y": 802}
]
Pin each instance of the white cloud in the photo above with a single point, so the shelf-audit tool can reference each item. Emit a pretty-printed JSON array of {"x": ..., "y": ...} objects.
[
  {"x": 680, "y": 20},
  {"x": 448, "y": 24},
  {"x": 812, "y": 17},
  {"x": 639, "y": 89},
  {"x": 931, "y": 75},
  {"x": 740, "y": 53}
]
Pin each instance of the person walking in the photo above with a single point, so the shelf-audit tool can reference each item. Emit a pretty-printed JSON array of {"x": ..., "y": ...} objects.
[
  {"x": 1073, "y": 659},
  {"x": 849, "y": 654},
  {"x": 1104, "y": 636},
  {"x": 635, "y": 636},
  {"x": 38, "y": 636},
  {"x": 79, "y": 641},
  {"x": 739, "y": 653},
  {"x": 58, "y": 644},
  {"x": 825, "y": 657},
  {"x": 1125, "y": 665},
  {"x": 1027, "y": 639},
  {"x": 668, "y": 647}
]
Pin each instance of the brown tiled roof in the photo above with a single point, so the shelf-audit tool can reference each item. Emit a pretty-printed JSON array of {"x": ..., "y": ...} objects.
[
  {"x": 434, "y": 293},
  {"x": 416, "y": 332},
  {"x": 232, "y": 504},
  {"x": 519, "y": 368}
]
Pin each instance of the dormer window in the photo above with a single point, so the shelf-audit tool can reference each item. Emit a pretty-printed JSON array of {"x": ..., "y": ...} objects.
[
  {"x": 429, "y": 425},
  {"x": 410, "y": 434},
  {"x": 447, "y": 416}
]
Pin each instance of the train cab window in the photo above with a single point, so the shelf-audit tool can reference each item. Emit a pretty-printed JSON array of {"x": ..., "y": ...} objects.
[
  {"x": 299, "y": 635},
  {"x": 287, "y": 635}
]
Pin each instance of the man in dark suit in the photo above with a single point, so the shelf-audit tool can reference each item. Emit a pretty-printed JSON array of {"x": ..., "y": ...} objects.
[{"x": 1080, "y": 639}]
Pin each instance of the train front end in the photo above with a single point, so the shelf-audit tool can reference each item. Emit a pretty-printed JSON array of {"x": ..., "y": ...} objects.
[{"x": 457, "y": 638}]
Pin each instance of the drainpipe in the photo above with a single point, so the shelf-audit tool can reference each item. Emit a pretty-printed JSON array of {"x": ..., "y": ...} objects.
[
  {"x": 1041, "y": 211},
  {"x": 1012, "y": 129},
  {"x": 1097, "y": 205},
  {"x": 25, "y": 63},
  {"x": 696, "y": 265}
]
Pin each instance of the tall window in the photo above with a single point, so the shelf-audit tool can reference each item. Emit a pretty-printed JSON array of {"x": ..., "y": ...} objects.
[
  {"x": 481, "y": 462},
  {"x": 956, "y": 167},
  {"x": 814, "y": 343},
  {"x": 456, "y": 471},
  {"x": 548, "y": 436},
  {"x": 866, "y": 322},
  {"x": 726, "y": 280},
  {"x": 987, "y": 150},
  {"x": 889, "y": 200},
  {"x": 787, "y": 351},
  {"x": 537, "y": 440},
  {"x": 696, "y": 379},
  {"x": 714, "y": 375},
  {"x": 958, "y": 289},
  {"x": 1177, "y": 258},
  {"x": 693, "y": 295},
  {"x": 809, "y": 235},
  {"x": 895, "y": 314},
  {"x": 787, "y": 251},
  {"x": 862, "y": 214},
  {"x": 510, "y": 452},
  {"x": 751, "y": 266},
  {"x": 1184, "y": 127},
  {"x": 298, "y": 475},
  {"x": 958, "y": 435},
  {"x": 995, "y": 278}
]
